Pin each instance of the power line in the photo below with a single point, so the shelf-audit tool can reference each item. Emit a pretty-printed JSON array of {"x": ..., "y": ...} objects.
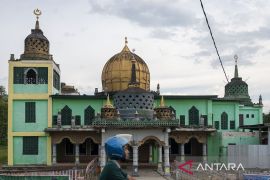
[{"x": 214, "y": 41}]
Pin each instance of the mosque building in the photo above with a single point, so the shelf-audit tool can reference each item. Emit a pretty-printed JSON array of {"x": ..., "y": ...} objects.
[{"x": 50, "y": 123}]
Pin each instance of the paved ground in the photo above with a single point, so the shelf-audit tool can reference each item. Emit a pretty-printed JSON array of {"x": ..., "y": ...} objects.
[{"x": 148, "y": 174}]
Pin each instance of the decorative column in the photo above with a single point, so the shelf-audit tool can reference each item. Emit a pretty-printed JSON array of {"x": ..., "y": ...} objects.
[
  {"x": 182, "y": 149},
  {"x": 59, "y": 121},
  {"x": 73, "y": 122},
  {"x": 102, "y": 150},
  {"x": 135, "y": 160},
  {"x": 166, "y": 153},
  {"x": 204, "y": 153},
  {"x": 54, "y": 154},
  {"x": 166, "y": 161},
  {"x": 77, "y": 154},
  {"x": 160, "y": 159},
  {"x": 150, "y": 153}
]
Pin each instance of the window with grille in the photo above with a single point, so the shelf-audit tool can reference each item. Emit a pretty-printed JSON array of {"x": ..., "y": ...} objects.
[
  {"x": 232, "y": 124},
  {"x": 30, "y": 145},
  {"x": 89, "y": 115},
  {"x": 193, "y": 116},
  {"x": 66, "y": 114},
  {"x": 29, "y": 75},
  {"x": 182, "y": 120},
  {"x": 30, "y": 112},
  {"x": 224, "y": 121},
  {"x": 18, "y": 77},
  {"x": 217, "y": 124}
]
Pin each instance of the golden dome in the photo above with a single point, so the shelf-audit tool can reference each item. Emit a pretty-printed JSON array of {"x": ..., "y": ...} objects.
[{"x": 116, "y": 74}]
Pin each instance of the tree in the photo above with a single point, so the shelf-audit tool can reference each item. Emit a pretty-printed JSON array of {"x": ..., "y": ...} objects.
[
  {"x": 3, "y": 115},
  {"x": 266, "y": 118},
  {"x": 2, "y": 91}
]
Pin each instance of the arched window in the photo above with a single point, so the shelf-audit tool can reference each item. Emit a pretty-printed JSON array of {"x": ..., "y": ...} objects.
[
  {"x": 193, "y": 116},
  {"x": 31, "y": 76},
  {"x": 66, "y": 114},
  {"x": 224, "y": 120},
  {"x": 89, "y": 115}
]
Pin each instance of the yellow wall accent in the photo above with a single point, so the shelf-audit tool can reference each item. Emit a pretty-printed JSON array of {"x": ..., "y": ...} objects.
[
  {"x": 10, "y": 110},
  {"x": 29, "y": 134},
  {"x": 50, "y": 91},
  {"x": 31, "y": 96},
  {"x": 33, "y": 63},
  {"x": 49, "y": 151}
]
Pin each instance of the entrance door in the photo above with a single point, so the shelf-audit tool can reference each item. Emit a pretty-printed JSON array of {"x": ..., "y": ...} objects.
[{"x": 193, "y": 150}]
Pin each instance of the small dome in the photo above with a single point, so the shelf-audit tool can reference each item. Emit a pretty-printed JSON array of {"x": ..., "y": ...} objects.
[
  {"x": 116, "y": 74},
  {"x": 36, "y": 45},
  {"x": 237, "y": 89}
]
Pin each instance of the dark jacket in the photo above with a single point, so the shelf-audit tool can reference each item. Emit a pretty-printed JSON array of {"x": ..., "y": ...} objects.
[{"x": 112, "y": 172}]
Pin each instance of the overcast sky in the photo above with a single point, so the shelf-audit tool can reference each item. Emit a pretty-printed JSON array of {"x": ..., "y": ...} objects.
[{"x": 171, "y": 36}]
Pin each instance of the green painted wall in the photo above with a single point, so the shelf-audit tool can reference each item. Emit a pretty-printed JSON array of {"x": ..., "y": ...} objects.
[
  {"x": 30, "y": 88},
  {"x": 18, "y": 118},
  {"x": 214, "y": 142},
  {"x": 249, "y": 120},
  {"x": 230, "y": 108},
  {"x": 19, "y": 158},
  {"x": 240, "y": 140},
  {"x": 182, "y": 107},
  {"x": 77, "y": 106}
]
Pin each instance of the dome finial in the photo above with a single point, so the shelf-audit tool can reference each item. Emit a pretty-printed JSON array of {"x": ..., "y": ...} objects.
[
  {"x": 236, "y": 68},
  {"x": 108, "y": 102},
  {"x": 133, "y": 81},
  {"x": 126, "y": 41},
  {"x": 162, "y": 103},
  {"x": 37, "y": 12}
]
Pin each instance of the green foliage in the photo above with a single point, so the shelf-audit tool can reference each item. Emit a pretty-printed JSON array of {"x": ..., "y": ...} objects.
[
  {"x": 3, "y": 115},
  {"x": 266, "y": 118},
  {"x": 3, "y": 154}
]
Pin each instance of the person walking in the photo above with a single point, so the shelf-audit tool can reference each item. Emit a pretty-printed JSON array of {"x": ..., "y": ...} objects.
[{"x": 116, "y": 150}]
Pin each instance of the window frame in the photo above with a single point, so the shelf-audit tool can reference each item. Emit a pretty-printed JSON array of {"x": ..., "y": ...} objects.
[
  {"x": 31, "y": 141},
  {"x": 30, "y": 112}
]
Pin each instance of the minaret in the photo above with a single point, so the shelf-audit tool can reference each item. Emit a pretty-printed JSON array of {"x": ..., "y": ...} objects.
[
  {"x": 260, "y": 100},
  {"x": 236, "y": 67},
  {"x": 237, "y": 89},
  {"x": 158, "y": 89},
  {"x": 38, "y": 77}
]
